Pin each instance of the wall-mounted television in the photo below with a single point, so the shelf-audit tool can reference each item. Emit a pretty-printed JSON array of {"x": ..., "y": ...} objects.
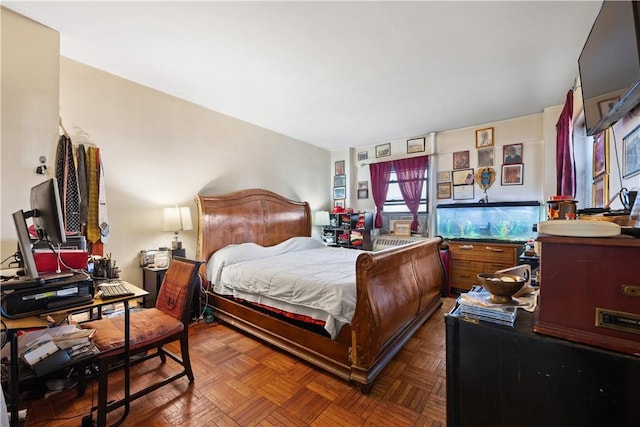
[{"x": 610, "y": 65}]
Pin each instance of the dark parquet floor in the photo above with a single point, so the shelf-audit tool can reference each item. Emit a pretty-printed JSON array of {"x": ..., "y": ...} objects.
[{"x": 240, "y": 381}]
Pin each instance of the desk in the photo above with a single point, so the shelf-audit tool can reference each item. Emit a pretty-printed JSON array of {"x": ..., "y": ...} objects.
[{"x": 12, "y": 327}]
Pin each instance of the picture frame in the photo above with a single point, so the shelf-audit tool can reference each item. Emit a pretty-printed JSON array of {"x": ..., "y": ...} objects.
[
  {"x": 461, "y": 160},
  {"x": 462, "y": 192},
  {"x": 339, "y": 192},
  {"x": 512, "y": 174},
  {"x": 363, "y": 185},
  {"x": 600, "y": 153},
  {"x": 402, "y": 228},
  {"x": 338, "y": 203},
  {"x": 512, "y": 154},
  {"x": 600, "y": 191},
  {"x": 463, "y": 177},
  {"x": 383, "y": 150},
  {"x": 415, "y": 145},
  {"x": 631, "y": 153},
  {"x": 485, "y": 157},
  {"x": 363, "y": 155},
  {"x": 484, "y": 138},
  {"x": 444, "y": 190},
  {"x": 339, "y": 168},
  {"x": 363, "y": 193},
  {"x": 340, "y": 181},
  {"x": 605, "y": 106},
  {"x": 444, "y": 176}
]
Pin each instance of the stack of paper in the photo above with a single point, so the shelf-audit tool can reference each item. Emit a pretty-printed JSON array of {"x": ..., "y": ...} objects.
[{"x": 47, "y": 350}]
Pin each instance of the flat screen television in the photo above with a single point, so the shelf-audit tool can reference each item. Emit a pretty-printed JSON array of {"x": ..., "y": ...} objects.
[{"x": 609, "y": 65}]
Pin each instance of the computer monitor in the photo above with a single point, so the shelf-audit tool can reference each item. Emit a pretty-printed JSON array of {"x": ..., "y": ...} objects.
[
  {"x": 46, "y": 215},
  {"x": 24, "y": 242},
  {"x": 47, "y": 212}
]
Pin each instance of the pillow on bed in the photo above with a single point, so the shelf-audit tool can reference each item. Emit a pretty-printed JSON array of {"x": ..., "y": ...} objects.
[{"x": 233, "y": 254}]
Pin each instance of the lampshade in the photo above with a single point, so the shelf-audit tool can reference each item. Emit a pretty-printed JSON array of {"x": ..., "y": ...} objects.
[
  {"x": 176, "y": 218},
  {"x": 321, "y": 218}
]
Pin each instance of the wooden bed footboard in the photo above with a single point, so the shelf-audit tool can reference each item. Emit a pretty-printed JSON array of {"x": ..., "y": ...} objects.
[{"x": 397, "y": 291}]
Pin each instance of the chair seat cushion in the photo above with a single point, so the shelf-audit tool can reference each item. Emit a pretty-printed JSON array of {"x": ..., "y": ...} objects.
[{"x": 146, "y": 327}]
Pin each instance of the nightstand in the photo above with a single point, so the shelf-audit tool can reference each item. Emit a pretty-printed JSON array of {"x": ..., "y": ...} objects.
[{"x": 151, "y": 280}]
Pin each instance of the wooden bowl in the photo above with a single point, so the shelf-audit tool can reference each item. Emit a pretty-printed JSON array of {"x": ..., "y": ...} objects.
[{"x": 501, "y": 286}]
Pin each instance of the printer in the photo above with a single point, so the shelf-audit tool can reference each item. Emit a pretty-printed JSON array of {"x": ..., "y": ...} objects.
[{"x": 36, "y": 299}]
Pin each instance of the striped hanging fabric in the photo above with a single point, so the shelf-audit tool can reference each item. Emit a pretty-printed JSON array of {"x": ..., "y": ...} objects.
[
  {"x": 68, "y": 184},
  {"x": 82, "y": 186},
  {"x": 92, "y": 164}
]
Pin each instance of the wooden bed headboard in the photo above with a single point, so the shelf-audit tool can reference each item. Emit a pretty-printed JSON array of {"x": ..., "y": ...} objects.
[{"x": 252, "y": 215}]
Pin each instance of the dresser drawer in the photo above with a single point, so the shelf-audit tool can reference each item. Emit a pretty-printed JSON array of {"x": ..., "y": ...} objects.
[
  {"x": 484, "y": 252},
  {"x": 463, "y": 274}
]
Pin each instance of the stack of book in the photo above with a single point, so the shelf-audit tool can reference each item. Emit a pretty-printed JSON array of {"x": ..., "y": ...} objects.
[{"x": 475, "y": 304}]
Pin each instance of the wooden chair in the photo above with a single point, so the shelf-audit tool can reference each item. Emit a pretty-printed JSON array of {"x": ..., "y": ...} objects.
[{"x": 149, "y": 330}]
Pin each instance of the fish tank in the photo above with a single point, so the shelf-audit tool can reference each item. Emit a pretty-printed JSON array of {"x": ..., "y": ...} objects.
[{"x": 497, "y": 221}]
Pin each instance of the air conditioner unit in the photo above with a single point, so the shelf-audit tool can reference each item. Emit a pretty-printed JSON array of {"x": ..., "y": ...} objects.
[{"x": 386, "y": 241}]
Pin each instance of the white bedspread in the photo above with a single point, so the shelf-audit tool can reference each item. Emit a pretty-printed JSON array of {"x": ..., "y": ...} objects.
[{"x": 300, "y": 276}]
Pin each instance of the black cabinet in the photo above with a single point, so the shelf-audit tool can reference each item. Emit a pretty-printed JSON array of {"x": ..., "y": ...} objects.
[
  {"x": 502, "y": 376},
  {"x": 151, "y": 281},
  {"x": 351, "y": 230}
]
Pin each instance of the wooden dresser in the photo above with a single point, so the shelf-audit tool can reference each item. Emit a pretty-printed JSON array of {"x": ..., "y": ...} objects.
[{"x": 469, "y": 258}]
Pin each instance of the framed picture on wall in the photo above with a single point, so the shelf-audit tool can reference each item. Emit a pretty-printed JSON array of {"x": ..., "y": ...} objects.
[
  {"x": 462, "y": 192},
  {"x": 460, "y": 160},
  {"x": 463, "y": 177},
  {"x": 444, "y": 176},
  {"x": 339, "y": 192},
  {"x": 363, "y": 193},
  {"x": 363, "y": 155},
  {"x": 444, "y": 190},
  {"x": 485, "y": 157},
  {"x": 600, "y": 191},
  {"x": 600, "y": 153},
  {"x": 484, "y": 138},
  {"x": 606, "y": 105},
  {"x": 512, "y": 174},
  {"x": 339, "y": 169},
  {"x": 340, "y": 181},
  {"x": 511, "y": 154},
  {"x": 383, "y": 150},
  {"x": 338, "y": 203},
  {"x": 631, "y": 153},
  {"x": 415, "y": 145}
]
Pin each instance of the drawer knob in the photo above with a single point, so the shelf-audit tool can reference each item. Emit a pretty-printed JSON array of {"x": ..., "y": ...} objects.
[{"x": 631, "y": 291}]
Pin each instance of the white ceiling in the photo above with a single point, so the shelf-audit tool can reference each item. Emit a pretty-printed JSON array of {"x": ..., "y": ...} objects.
[{"x": 336, "y": 74}]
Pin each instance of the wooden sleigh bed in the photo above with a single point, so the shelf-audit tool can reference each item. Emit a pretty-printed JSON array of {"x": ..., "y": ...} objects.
[{"x": 397, "y": 289}]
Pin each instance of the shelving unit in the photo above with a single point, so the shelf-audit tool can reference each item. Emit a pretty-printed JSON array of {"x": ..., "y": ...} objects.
[{"x": 349, "y": 230}]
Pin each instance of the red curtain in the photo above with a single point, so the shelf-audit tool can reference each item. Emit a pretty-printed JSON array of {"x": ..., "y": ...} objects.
[
  {"x": 410, "y": 173},
  {"x": 565, "y": 166},
  {"x": 380, "y": 173}
]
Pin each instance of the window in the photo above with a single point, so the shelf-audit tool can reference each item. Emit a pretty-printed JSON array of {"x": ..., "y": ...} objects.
[
  {"x": 395, "y": 203},
  {"x": 583, "y": 156}
]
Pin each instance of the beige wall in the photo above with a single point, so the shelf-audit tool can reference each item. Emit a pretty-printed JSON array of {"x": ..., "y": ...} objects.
[
  {"x": 157, "y": 151},
  {"x": 29, "y": 113}
]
